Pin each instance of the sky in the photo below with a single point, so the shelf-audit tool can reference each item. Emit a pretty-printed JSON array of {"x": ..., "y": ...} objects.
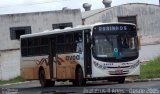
[{"x": 20, "y": 6}]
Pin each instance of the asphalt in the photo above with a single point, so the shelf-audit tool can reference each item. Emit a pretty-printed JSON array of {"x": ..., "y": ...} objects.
[{"x": 127, "y": 80}]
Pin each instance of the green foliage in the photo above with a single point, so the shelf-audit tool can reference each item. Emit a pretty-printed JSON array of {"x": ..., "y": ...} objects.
[
  {"x": 151, "y": 69},
  {"x": 15, "y": 80}
]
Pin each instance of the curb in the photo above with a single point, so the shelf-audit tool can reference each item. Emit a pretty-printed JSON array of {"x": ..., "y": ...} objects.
[
  {"x": 127, "y": 80},
  {"x": 145, "y": 80},
  {"x": 15, "y": 83}
]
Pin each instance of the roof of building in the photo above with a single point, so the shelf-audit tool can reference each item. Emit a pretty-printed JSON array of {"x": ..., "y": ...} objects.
[
  {"x": 37, "y": 12},
  {"x": 90, "y": 13},
  {"x": 86, "y": 14}
]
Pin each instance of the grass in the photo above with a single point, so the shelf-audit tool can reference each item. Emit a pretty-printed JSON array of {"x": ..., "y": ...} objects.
[
  {"x": 151, "y": 69},
  {"x": 15, "y": 80}
]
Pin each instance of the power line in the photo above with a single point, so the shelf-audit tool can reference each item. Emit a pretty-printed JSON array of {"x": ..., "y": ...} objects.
[{"x": 34, "y": 3}]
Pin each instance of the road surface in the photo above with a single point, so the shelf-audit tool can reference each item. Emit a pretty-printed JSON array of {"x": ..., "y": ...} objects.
[{"x": 33, "y": 87}]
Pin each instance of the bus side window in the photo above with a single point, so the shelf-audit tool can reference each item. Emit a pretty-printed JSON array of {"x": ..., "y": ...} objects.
[
  {"x": 30, "y": 46},
  {"x": 78, "y": 41},
  {"x": 24, "y": 47},
  {"x": 60, "y": 43},
  {"x": 69, "y": 43}
]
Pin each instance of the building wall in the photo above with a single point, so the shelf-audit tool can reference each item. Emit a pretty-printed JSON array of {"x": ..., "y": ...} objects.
[
  {"x": 39, "y": 22},
  {"x": 148, "y": 20},
  {"x": 149, "y": 52},
  {"x": 9, "y": 64}
]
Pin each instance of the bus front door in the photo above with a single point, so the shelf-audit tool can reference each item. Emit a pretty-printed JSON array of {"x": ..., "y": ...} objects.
[{"x": 52, "y": 59}]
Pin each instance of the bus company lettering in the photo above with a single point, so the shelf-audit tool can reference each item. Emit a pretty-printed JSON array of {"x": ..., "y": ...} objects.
[{"x": 73, "y": 57}]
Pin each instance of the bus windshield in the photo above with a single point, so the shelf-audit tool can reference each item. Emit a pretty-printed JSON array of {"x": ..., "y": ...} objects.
[{"x": 115, "y": 46}]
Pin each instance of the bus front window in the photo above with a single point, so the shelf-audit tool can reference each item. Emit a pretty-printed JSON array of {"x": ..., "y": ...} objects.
[
  {"x": 127, "y": 45},
  {"x": 103, "y": 46},
  {"x": 115, "y": 47}
]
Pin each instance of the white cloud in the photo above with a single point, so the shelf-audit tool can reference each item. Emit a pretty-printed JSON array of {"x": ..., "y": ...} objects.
[
  {"x": 114, "y": 2},
  {"x": 10, "y": 2},
  {"x": 74, "y": 3},
  {"x": 38, "y": 1}
]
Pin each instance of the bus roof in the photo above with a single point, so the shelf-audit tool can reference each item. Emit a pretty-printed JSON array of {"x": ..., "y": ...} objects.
[{"x": 56, "y": 31}]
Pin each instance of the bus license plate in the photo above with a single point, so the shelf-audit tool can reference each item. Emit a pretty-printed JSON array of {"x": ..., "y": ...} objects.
[{"x": 119, "y": 71}]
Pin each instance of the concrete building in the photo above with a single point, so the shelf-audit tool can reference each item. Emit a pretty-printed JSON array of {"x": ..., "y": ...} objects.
[
  {"x": 145, "y": 16},
  {"x": 14, "y": 25}
]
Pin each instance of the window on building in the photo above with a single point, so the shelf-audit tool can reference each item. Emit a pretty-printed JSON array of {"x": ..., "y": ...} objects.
[
  {"x": 62, "y": 25},
  {"x": 16, "y": 32},
  {"x": 128, "y": 19}
]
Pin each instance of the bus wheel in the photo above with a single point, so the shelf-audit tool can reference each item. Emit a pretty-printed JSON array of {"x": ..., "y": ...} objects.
[
  {"x": 121, "y": 80},
  {"x": 50, "y": 83},
  {"x": 79, "y": 81},
  {"x": 42, "y": 78},
  {"x": 43, "y": 81}
]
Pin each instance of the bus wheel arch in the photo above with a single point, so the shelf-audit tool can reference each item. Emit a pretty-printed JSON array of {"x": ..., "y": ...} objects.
[
  {"x": 79, "y": 76},
  {"x": 42, "y": 78},
  {"x": 39, "y": 70}
]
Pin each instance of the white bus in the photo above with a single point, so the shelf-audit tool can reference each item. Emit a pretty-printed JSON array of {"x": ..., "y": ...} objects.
[{"x": 104, "y": 51}]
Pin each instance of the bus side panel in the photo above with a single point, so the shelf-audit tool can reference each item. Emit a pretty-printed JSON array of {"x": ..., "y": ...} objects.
[
  {"x": 47, "y": 71},
  {"x": 29, "y": 73},
  {"x": 32, "y": 73},
  {"x": 66, "y": 65},
  {"x": 30, "y": 67},
  {"x": 65, "y": 72}
]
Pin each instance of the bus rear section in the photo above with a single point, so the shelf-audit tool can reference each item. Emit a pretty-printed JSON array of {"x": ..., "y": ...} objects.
[{"x": 51, "y": 57}]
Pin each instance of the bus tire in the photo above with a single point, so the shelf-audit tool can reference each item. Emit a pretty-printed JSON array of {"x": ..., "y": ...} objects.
[
  {"x": 79, "y": 80},
  {"x": 43, "y": 81},
  {"x": 42, "y": 78},
  {"x": 121, "y": 80},
  {"x": 50, "y": 83}
]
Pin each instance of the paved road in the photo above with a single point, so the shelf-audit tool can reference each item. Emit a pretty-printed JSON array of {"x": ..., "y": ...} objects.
[{"x": 153, "y": 87}]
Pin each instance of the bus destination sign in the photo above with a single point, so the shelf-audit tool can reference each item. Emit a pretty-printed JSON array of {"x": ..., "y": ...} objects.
[{"x": 115, "y": 28}]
